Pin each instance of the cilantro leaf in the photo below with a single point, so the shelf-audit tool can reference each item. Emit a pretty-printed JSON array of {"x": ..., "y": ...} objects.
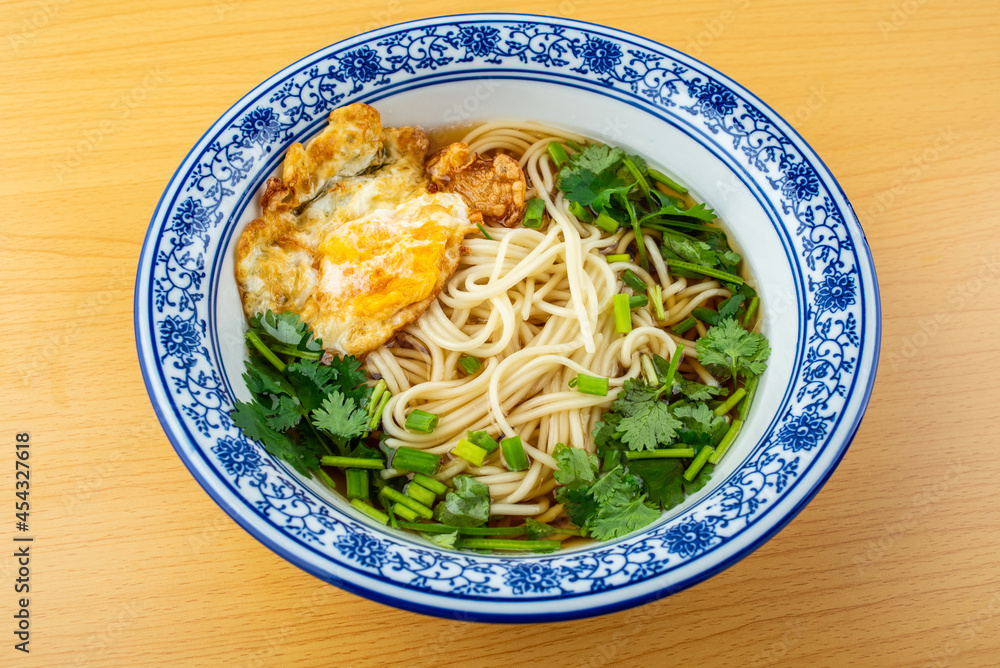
[
  {"x": 577, "y": 468},
  {"x": 350, "y": 377},
  {"x": 635, "y": 393},
  {"x": 671, "y": 211},
  {"x": 700, "y": 480},
  {"x": 699, "y": 418},
  {"x": 468, "y": 505},
  {"x": 662, "y": 480},
  {"x": 251, "y": 419},
  {"x": 579, "y": 504},
  {"x": 446, "y": 540},
  {"x": 729, "y": 351},
  {"x": 262, "y": 378},
  {"x": 309, "y": 378},
  {"x": 649, "y": 425},
  {"x": 696, "y": 391},
  {"x": 594, "y": 176},
  {"x": 618, "y": 519},
  {"x": 615, "y": 486},
  {"x": 340, "y": 417},
  {"x": 285, "y": 328},
  {"x": 285, "y": 413}
]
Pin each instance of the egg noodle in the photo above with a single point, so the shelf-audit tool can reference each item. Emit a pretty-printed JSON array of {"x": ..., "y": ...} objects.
[{"x": 534, "y": 305}]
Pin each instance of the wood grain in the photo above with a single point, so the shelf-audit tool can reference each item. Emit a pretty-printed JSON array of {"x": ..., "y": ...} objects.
[{"x": 896, "y": 561}]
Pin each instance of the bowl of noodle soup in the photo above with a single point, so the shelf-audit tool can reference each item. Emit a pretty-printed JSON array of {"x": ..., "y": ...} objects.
[{"x": 532, "y": 304}]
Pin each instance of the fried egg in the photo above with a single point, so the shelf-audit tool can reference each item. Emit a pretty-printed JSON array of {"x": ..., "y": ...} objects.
[{"x": 350, "y": 239}]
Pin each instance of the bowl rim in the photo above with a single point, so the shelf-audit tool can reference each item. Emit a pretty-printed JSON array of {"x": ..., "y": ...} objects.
[{"x": 850, "y": 218}]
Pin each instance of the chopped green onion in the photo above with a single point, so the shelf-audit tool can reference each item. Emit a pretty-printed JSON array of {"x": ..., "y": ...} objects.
[
  {"x": 357, "y": 483},
  {"x": 656, "y": 297},
  {"x": 533, "y": 213},
  {"x": 675, "y": 360},
  {"x": 483, "y": 440},
  {"x": 388, "y": 508},
  {"x": 667, "y": 181},
  {"x": 623, "y": 314},
  {"x": 265, "y": 351},
  {"x": 420, "y": 493},
  {"x": 376, "y": 515},
  {"x": 352, "y": 462},
  {"x": 380, "y": 387},
  {"x": 619, "y": 257},
  {"x": 325, "y": 477},
  {"x": 751, "y": 391},
  {"x": 377, "y": 415},
  {"x": 513, "y": 453},
  {"x": 751, "y": 309},
  {"x": 558, "y": 153},
  {"x": 639, "y": 178},
  {"x": 590, "y": 384},
  {"x": 421, "y": 421},
  {"x": 728, "y": 404},
  {"x": 408, "y": 514},
  {"x": 633, "y": 281},
  {"x": 581, "y": 212},
  {"x": 649, "y": 370},
  {"x": 637, "y": 301},
  {"x": 418, "y": 461},
  {"x": 573, "y": 145},
  {"x": 469, "y": 364},
  {"x": 607, "y": 223},
  {"x": 470, "y": 452},
  {"x": 698, "y": 462},
  {"x": 435, "y": 486},
  {"x": 707, "y": 271},
  {"x": 727, "y": 441},
  {"x": 471, "y": 531},
  {"x": 517, "y": 545},
  {"x": 483, "y": 230},
  {"x": 684, "y": 325},
  {"x": 411, "y": 503},
  {"x": 663, "y": 453}
]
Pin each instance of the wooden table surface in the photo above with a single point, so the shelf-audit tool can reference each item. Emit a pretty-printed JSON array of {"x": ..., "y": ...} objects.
[{"x": 895, "y": 562}]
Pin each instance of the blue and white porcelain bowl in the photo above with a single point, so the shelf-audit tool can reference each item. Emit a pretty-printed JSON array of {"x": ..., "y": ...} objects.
[{"x": 784, "y": 210}]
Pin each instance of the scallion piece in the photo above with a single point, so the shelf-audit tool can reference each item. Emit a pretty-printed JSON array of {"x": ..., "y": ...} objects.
[
  {"x": 637, "y": 301},
  {"x": 380, "y": 387},
  {"x": 418, "y": 461},
  {"x": 377, "y": 415},
  {"x": 648, "y": 370},
  {"x": 325, "y": 477},
  {"x": 483, "y": 440},
  {"x": 675, "y": 360},
  {"x": 707, "y": 271},
  {"x": 729, "y": 403},
  {"x": 656, "y": 298},
  {"x": 698, "y": 462},
  {"x": 619, "y": 257},
  {"x": 421, "y": 494},
  {"x": 751, "y": 391},
  {"x": 262, "y": 348},
  {"x": 664, "y": 453},
  {"x": 727, "y": 441},
  {"x": 607, "y": 223},
  {"x": 533, "y": 213},
  {"x": 633, "y": 281},
  {"x": 357, "y": 483},
  {"x": 408, "y": 514},
  {"x": 683, "y": 326},
  {"x": 510, "y": 545},
  {"x": 558, "y": 153},
  {"x": 513, "y": 453},
  {"x": 411, "y": 503},
  {"x": 421, "y": 421},
  {"x": 667, "y": 181},
  {"x": 376, "y": 515},
  {"x": 435, "y": 486},
  {"x": 469, "y": 364},
  {"x": 590, "y": 384},
  {"x": 751, "y": 309},
  {"x": 581, "y": 212},
  {"x": 623, "y": 314},
  {"x": 352, "y": 462},
  {"x": 573, "y": 145},
  {"x": 470, "y": 452},
  {"x": 483, "y": 230}
]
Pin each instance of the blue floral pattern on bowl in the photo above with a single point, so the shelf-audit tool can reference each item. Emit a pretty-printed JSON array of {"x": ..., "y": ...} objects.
[{"x": 175, "y": 326}]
